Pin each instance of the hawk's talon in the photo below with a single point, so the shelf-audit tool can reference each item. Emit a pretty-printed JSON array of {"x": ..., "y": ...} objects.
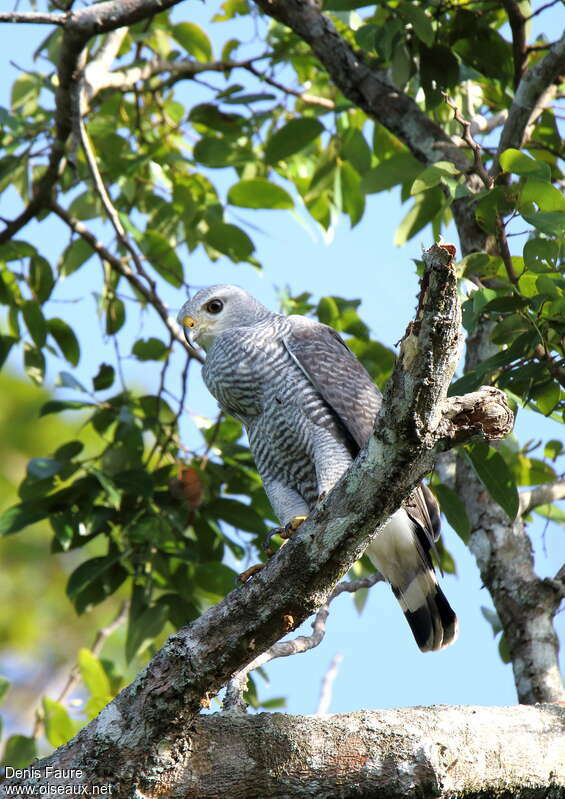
[
  {"x": 292, "y": 526},
  {"x": 267, "y": 543},
  {"x": 244, "y": 576}
]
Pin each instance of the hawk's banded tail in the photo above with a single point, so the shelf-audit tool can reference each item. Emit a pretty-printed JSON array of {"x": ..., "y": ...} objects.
[{"x": 401, "y": 552}]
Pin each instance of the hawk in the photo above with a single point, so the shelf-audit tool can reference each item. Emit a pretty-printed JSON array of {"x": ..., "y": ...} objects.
[{"x": 309, "y": 406}]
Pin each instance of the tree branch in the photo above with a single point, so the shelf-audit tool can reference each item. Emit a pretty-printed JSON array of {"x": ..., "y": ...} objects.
[
  {"x": 504, "y": 556},
  {"x": 369, "y": 88},
  {"x": 455, "y": 752},
  {"x": 545, "y": 494},
  {"x": 137, "y": 740},
  {"x": 530, "y": 96},
  {"x": 33, "y": 17},
  {"x": 517, "y": 23}
]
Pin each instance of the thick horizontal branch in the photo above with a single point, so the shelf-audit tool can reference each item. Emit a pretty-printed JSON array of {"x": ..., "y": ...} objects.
[
  {"x": 137, "y": 740},
  {"x": 453, "y": 752}
]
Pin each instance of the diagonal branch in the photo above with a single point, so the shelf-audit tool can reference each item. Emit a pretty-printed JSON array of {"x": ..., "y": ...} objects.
[
  {"x": 369, "y": 88},
  {"x": 303, "y": 643},
  {"x": 137, "y": 740},
  {"x": 531, "y": 99},
  {"x": 145, "y": 288}
]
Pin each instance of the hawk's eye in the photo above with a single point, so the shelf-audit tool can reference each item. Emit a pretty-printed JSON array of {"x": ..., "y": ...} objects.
[{"x": 214, "y": 306}]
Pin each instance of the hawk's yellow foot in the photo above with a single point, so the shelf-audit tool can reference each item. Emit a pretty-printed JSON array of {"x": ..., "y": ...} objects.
[
  {"x": 244, "y": 576},
  {"x": 292, "y": 526}
]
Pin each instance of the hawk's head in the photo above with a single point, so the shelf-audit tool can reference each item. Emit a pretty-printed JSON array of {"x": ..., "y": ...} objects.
[{"x": 218, "y": 308}]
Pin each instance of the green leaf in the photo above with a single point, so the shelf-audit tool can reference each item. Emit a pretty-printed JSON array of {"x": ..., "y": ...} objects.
[
  {"x": 493, "y": 472},
  {"x": 213, "y": 152},
  {"x": 241, "y": 516},
  {"x": 454, "y": 508},
  {"x": 4, "y": 685},
  {"x": 230, "y": 240},
  {"x": 35, "y": 322},
  {"x": 104, "y": 378},
  {"x": 41, "y": 280},
  {"x": 67, "y": 380},
  {"x": 547, "y": 396},
  {"x": 93, "y": 674},
  {"x": 162, "y": 256},
  {"x": 14, "y": 519},
  {"x": 150, "y": 349},
  {"x": 77, "y": 253},
  {"x": 19, "y": 751},
  {"x": 56, "y": 406},
  {"x": 94, "y": 580},
  {"x": 291, "y": 138},
  {"x": 399, "y": 168},
  {"x": 259, "y": 193},
  {"x": 65, "y": 338},
  {"x": 34, "y": 364},
  {"x": 544, "y": 195},
  {"x": 521, "y": 164},
  {"x": 115, "y": 315},
  {"x": 59, "y": 727},
  {"x": 353, "y": 199},
  {"x": 193, "y": 39},
  {"x": 552, "y": 223},
  {"x": 426, "y": 206},
  {"x": 419, "y": 20},
  {"x": 356, "y": 150},
  {"x": 143, "y": 630},
  {"x": 553, "y": 449},
  {"x": 541, "y": 255},
  {"x": 114, "y": 496},
  {"x": 432, "y": 176}
]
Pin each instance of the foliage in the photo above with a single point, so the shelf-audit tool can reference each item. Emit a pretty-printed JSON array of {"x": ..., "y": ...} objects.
[{"x": 164, "y": 518}]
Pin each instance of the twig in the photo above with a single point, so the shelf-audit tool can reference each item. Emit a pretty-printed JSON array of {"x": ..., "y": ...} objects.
[
  {"x": 541, "y": 9},
  {"x": 488, "y": 182},
  {"x": 33, "y": 17},
  {"x": 120, "y": 266},
  {"x": 304, "y": 96},
  {"x": 327, "y": 685},
  {"x": 74, "y": 676},
  {"x": 233, "y": 700},
  {"x": 478, "y": 166}
]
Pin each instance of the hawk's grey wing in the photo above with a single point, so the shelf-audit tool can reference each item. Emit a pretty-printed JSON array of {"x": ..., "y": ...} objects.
[
  {"x": 331, "y": 367},
  {"x": 402, "y": 550}
]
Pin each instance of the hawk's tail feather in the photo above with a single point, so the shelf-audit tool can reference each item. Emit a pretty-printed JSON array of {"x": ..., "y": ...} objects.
[{"x": 429, "y": 614}]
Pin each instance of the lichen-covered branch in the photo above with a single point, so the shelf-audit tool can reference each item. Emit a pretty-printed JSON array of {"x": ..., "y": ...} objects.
[
  {"x": 138, "y": 741},
  {"x": 453, "y": 752}
]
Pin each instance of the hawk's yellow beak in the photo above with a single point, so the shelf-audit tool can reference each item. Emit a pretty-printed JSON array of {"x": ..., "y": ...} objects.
[{"x": 188, "y": 321}]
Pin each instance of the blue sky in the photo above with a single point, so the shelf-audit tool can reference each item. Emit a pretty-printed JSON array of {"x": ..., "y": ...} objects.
[{"x": 382, "y": 667}]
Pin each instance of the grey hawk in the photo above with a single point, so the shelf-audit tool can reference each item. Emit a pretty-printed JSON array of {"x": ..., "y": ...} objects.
[{"x": 308, "y": 407}]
